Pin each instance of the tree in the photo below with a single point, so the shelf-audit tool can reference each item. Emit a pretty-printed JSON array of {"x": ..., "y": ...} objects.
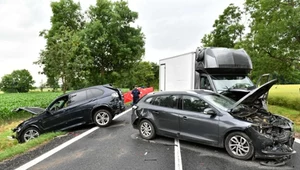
[
  {"x": 274, "y": 40},
  {"x": 155, "y": 70},
  {"x": 142, "y": 74},
  {"x": 227, "y": 29},
  {"x": 114, "y": 44},
  {"x": 18, "y": 81},
  {"x": 65, "y": 56}
]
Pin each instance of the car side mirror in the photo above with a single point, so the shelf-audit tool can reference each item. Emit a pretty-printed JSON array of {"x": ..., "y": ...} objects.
[
  {"x": 210, "y": 111},
  {"x": 48, "y": 111}
]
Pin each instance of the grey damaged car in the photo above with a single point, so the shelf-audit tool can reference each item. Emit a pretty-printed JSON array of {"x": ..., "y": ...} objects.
[{"x": 243, "y": 129}]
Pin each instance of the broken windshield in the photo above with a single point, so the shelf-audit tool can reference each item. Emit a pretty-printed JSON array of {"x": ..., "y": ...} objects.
[
  {"x": 223, "y": 83},
  {"x": 220, "y": 101}
]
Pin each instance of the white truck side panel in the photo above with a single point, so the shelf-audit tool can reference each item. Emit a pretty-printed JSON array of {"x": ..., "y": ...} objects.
[{"x": 177, "y": 73}]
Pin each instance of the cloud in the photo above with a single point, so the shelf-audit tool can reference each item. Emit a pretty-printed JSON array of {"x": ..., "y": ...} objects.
[{"x": 174, "y": 26}]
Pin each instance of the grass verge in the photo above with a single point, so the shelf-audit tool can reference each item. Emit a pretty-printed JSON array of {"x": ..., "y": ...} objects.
[{"x": 10, "y": 147}]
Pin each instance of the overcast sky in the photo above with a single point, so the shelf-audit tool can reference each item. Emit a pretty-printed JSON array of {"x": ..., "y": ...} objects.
[{"x": 171, "y": 27}]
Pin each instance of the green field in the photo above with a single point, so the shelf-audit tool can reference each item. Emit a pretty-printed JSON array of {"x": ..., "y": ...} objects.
[
  {"x": 285, "y": 95},
  {"x": 11, "y": 101}
]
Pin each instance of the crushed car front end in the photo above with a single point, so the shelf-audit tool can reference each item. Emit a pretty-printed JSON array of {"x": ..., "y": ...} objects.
[{"x": 272, "y": 135}]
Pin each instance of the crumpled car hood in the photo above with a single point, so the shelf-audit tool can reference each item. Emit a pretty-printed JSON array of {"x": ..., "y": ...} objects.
[{"x": 32, "y": 110}]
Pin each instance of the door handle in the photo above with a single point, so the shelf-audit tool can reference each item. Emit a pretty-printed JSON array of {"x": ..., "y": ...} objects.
[
  {"x": 156, "y": 112},
  {"x": 184, "y": 118}
]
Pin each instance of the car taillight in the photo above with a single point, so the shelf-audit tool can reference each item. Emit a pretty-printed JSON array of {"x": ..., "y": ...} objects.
[{"x": 114, "y": 95}]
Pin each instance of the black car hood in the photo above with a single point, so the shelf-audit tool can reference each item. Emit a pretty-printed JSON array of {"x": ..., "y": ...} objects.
[
  {"x": 255, "y": 94},
  {"x": 32, "y": 110}
]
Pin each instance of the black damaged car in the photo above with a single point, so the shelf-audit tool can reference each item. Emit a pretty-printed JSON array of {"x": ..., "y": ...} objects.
[
  {"x": 243, "y": 128},
  {"x": 97, "y": 104}
]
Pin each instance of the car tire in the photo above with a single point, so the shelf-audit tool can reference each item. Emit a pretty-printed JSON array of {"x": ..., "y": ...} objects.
[
  {"x": 102, "y": 118},
  {"x": 239, "y": 145},
  {"x": 29, "y": 134},
  {"x": 147, "y": 130}
]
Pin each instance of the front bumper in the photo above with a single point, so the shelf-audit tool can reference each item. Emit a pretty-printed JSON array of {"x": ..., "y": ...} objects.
[
  {"x": 17, "y": 132},
  {"x": 270, "y": 148}
]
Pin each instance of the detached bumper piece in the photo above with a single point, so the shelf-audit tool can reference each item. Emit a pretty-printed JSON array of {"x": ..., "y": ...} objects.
[
  {"x": 273, "y": 163},
  {"x": 279, "y": 149}
]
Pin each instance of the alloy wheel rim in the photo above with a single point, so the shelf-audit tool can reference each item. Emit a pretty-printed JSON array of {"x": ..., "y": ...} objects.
[
  {"x": 31, "y": 134},
  {"x": 146, "y": 129},
  {"x": 239, "y": 146},
  {"x": 102, "y": 118}
]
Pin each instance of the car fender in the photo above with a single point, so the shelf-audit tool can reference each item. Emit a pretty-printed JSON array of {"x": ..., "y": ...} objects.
[
  {"x": 145, "y": 114},
  {"x": 225, "y": 133}
]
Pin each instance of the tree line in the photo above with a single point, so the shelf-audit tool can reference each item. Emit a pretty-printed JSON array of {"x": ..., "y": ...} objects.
[{"x": 101, "y": 45}]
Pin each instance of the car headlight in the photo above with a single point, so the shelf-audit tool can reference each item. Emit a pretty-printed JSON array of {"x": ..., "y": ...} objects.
[{"x": 17, "y": 129}]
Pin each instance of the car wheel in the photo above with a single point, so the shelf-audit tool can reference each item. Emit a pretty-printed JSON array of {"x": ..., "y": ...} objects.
[
  {"x": 102, "y": 118},
  {"x": 239, "y": 145},
  {"x": 147, "y": 129},
  {"x": 29, "y": 133}
]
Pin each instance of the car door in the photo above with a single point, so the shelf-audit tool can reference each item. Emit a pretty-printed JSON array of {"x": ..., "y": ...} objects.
[
  {"x": 55, "y": 116},
  {"x": 165, "y": 114},
  {"x": 78, "y": 109},
  {"x": 262, "y": 80},
  {"x": 194, "y": 124}
]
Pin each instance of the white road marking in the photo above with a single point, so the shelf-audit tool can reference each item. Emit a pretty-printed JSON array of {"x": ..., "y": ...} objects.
[
  {"x": 60, "y": 147},
  {"x": 178, "y": 162}
]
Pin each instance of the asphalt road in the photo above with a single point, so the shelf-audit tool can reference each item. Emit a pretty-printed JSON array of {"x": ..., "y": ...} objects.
[{"x": 120, "y": 147}]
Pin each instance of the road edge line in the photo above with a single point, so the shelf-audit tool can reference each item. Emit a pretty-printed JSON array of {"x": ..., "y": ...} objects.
[
  {"x": 177, "y": 155},
  {"x": 62, "y": 146}
]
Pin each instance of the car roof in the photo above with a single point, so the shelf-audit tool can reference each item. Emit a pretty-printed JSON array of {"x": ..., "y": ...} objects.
[
  {"x": 97, "y": 86},
  {"x": 195, "y": 92}
]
